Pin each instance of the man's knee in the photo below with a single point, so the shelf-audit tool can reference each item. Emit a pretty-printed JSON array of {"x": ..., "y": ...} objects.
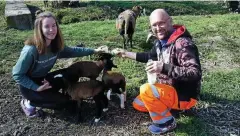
[{"x": 145, "y": 87}]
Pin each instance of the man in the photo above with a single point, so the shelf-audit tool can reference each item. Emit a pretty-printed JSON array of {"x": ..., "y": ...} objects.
[{"x": 176, "y": 63}]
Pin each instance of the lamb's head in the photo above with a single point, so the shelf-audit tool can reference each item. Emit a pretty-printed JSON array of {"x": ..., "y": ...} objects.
[
  {"x": 104, "y": 56},
  {"x": 108, "y": 62},
  {"x": 109, "y": 65},
  {"x": 137, "y": 10},
  {"x": 57, "y": 81},
  {"x": 60, "y": 78}
]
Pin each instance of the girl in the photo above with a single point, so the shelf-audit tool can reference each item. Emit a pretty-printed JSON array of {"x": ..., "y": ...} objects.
[{"x": 37, "y": 58}]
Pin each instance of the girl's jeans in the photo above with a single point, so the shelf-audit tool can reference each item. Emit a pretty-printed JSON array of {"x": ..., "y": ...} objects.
[{"x": 50, "y": 98}]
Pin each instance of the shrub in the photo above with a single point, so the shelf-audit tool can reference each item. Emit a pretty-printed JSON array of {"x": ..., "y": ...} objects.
[{"x": 96, "y": 10}]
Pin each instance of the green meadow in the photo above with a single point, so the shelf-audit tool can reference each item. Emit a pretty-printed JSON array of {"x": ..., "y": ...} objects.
[{"x": 215, "y": 32}]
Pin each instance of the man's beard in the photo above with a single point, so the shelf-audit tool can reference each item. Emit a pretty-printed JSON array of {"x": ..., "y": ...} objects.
[{"x": 165, "y": 35}]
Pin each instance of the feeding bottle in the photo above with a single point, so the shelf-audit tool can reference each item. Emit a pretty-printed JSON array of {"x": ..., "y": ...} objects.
[{"x": 152, "y": 77}]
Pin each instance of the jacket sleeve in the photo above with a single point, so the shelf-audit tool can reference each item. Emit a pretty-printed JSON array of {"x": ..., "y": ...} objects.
[
  {"x": 19, "y": 71},
  {"x": 70, "y": 52},
  {"x": 145, "y": 56},
  {"x": 189, "y": 68}
]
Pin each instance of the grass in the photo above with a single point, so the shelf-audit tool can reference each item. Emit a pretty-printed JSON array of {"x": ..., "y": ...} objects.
[
  {"x": 221, "y": 86},
  {"x": 217, "y": 37}
]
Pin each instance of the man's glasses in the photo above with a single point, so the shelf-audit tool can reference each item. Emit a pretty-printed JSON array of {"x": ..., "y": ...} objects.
[{"x": 159, "y": 24}]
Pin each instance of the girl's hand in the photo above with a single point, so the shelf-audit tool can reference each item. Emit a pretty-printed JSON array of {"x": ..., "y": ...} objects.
[
  {"x": 119, "y": 52},
  {"x": 101, "y": 49},
  {"x": 45, "y": 86}
]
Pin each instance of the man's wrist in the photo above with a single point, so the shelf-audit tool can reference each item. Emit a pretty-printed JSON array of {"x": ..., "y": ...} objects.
[{"x": 131, "y": 55}]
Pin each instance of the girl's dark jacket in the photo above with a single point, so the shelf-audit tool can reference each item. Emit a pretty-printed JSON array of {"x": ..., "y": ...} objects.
[{"x": 181, "y": 64}]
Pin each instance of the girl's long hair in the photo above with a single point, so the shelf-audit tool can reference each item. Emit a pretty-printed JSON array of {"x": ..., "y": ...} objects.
[{"x": 38, "y": 38}]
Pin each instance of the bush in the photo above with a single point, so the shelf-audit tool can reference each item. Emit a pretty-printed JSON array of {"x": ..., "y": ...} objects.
[
  {"x": 72, "y": 15},
  {"x": 96, "y": 10},
  {"x": 69, "y": 19}
]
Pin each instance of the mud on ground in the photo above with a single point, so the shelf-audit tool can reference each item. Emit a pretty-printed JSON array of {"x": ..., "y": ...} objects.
[{"x": 220, "y": 119}]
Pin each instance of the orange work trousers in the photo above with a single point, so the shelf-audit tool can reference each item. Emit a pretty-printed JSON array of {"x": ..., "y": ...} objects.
[{"x": 158, "y": 100}]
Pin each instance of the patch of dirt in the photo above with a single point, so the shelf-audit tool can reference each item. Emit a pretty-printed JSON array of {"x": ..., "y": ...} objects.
[
  {"x": 114, "y": 122},
  {"x": 222, "y": 118}
]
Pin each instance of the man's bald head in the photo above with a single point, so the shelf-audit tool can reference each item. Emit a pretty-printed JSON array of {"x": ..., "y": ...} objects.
[
  {"x": 159, "y": 14},
  {"x": 161, "y": 23}
]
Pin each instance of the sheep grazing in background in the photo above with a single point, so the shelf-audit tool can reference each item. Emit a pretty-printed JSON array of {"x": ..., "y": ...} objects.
[
  {"x": 126, "y": 22},
  {"x": 74, "y": 3},
  {"x": 82, "y": 90},
  {"x": 115, "y": 82},
  {"x": 45, "y": 3}
]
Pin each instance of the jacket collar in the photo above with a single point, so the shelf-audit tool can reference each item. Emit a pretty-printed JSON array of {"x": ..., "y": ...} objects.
[{"x": 180, "y": 30}]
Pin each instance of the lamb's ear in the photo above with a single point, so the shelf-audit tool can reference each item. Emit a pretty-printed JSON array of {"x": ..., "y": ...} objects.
[{"x": 58, "y": 75}]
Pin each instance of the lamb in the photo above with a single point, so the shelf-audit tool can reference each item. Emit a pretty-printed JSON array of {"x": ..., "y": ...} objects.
[
  {"x": 126, "y": 22},
  {"x": 114, "y": 81},
  {"x": 86, "y": 89},
  {"x": 64, "y": 79},
  {"x": 88, "y": 69},
  {"x": 83, "y": 90},
  {"x": 74, "y": 3},
  {"x": 72, "y": 73}
]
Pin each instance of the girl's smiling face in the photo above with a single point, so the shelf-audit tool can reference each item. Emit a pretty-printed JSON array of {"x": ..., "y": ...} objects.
[{"x": 49, "y": 29}]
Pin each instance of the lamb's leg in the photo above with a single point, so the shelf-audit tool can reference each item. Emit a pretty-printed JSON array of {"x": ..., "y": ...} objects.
[
  {"x": 123, "y": 87},
  {"x": 121, "y": 97},
  {"x": 130, "y": 39},
  {"x": 117, "y": 91},
  {"x": 109, "y": 94},
  {"x": 97, "y": 100},
  {"x": 105, "y": 101},
  {"x": 125, "y": 96},
  {"x": 127, "y": 41},
  {"x": 124, "y": 42},
  {"x": 79, "y": 105}
]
